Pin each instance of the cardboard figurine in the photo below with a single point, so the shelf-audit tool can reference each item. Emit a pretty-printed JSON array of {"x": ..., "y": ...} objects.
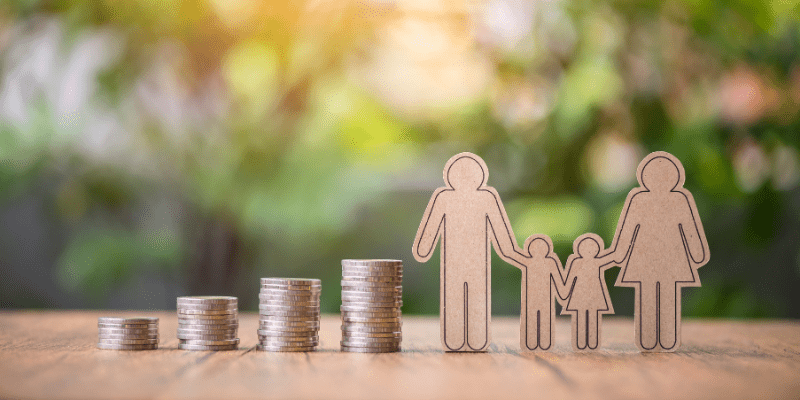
[
  {"x": 469, "y": 217},
  {"x": 588, "y": 293},
  {"x": 660, "y": 243},
  {"x": 542, "y": 279}
]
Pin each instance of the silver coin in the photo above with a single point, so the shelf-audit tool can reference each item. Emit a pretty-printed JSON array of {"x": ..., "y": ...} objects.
[
  {"x": 273, "y": 330},
  {"x": 207, "y": 309},
  {"x": 363, "y": 274},
  {"x": 373, "y": 314},
  {"x": 286, "y": 303},
  {"x": 262, "y": 347},
  {"x": 208, "y": 300},
  {"x": 354, "y": 342},
  {"x": 370, "y": 320},
  {"x": 368, "y": 272},
  {"x": 364, "y": 306},
  {"x": 370, "y": 349},
  {"x": 397, "y": 335},
  {"x": 108, "y": 346},
  {"x": 128, "y": 326},
  {"x": 372, "y": 263},
  {"x": 207, "y": 328},
  {"x": 368, "y": 307},
  {"x": 278, "y": 332},
  {"x": 128, "y": 320},
  {"x": 203, "y": 336},
  {"x": 291, "y": 291},
  {"x": 293, "y": 340},
  {"x": 372, "y": 289},
  {"x": 378, "y": 285},
  {"x": 127, "y": 331},
  {"x": 281, "y": 307},
  {"x": 289, "y": 326},
  {"x": 104, "y": 336},
  {"x": 198, "y": 347},
  {"x": 194, "y": 331},
  {"x": 368, "y": 328},
  {"x": 272, "y": 295},
  {"x": 371, "y": 339},
  {"x": 268, "y": 341},
  {"x": 377, "y": 279},
  {"x": 225, "y": 342},
  {"x": 288, "y": 321},
  {"x": 291, "y": 281},
  {"x": 289, "y": 313},
  {"x": 212, "y": 316},
  {"x": 366, "y": 297},
  {"x": 128, "y": 341},
  {"x": 210, "y": 321},
  {"x": 194, "y": 311}
]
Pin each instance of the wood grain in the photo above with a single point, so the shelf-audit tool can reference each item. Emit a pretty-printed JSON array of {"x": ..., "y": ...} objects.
[{"x": 51, "y": 354}]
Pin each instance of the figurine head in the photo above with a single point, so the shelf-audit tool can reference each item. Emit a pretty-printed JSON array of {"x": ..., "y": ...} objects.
[
  {"x": 660, "y": 172},
  {"x": 588, "y": 245},
  {"x": 465, "y": 171},
  {"x": 538, "y": 247}
]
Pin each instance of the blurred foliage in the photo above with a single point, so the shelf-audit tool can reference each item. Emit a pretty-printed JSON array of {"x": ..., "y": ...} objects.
[{"x": 204, "y": 144}]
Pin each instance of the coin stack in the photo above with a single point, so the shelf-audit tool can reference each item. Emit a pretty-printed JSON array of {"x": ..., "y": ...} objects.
[
  {"x": 208, "y": 323},
  {"x": 372, "y": 294},
  {"x": 139, "y": 333},
  {"x": 288, "y": 314}
]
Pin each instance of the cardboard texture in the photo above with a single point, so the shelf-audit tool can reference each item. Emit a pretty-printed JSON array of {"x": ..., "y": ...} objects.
[
  {"x": 470, "y": 218},
  {"x": 659, "y": 244},
  {"x": 542, "y": 284},
  {"x": 588, "y": 293}
]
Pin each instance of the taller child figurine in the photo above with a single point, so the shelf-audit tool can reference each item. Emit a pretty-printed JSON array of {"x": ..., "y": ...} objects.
[
  {"x": 469, "y": 217},
  {"x": 661, "y": 243}
]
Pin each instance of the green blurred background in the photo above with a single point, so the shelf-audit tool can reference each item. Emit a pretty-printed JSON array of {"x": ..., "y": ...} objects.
[{"x": 157, "y": 148}]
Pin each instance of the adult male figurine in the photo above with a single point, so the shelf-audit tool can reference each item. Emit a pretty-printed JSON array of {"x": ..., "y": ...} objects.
[{"x": 469, "y": 217}]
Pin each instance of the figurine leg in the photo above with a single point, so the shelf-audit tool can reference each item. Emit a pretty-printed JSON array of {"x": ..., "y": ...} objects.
[
  {"x": 580, "y": 332},
  {"x": 593, "y": 332},
  {"x": 668, "y": 318},
  {"x": 647, "y": 318},
  {"x": 477, "y": 315},
  {"x": 544, "y": 333},
  {"x": 454, "y": 321}
]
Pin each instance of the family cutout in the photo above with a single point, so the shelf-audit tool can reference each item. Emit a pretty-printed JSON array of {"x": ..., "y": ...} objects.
[{"x": 659, "y": 244}]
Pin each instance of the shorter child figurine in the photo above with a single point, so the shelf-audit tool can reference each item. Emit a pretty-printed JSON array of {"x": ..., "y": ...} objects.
[
  {"x": 542, "y": 279},
  {"x": 588, "y": 297}
]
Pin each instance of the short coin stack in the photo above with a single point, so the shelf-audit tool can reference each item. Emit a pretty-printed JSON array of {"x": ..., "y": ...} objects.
[
  {"x": 139, "y": 333},
  {"x": 288, "y": 314},
  {"x": 208, "y": 323},
  {"x": 372, "y": 294}
]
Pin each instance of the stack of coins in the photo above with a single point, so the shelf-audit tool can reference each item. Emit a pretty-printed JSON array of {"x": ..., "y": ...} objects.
[
  {"x": 288, "y": 314},
  {"x": 372, "y": 294},
  {"x": 208, "y": 323},
  {"x": 139, "y": 333}
]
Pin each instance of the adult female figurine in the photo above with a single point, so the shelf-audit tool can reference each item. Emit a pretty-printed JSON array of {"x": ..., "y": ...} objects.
[{"x": 661, "y": 243}]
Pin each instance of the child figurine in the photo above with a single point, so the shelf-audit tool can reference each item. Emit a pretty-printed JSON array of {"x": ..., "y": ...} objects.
[
  {"x": 541, "y": 273},
  {"x": 588, "y": 297}
]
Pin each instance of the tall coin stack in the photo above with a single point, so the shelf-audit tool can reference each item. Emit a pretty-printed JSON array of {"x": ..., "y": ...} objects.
[
  {"x": 372, "y": 294},
  {"x": 127, "y": 333},
  {"x": 288, "y": 314},
  {"x": 208, "y": 323}
]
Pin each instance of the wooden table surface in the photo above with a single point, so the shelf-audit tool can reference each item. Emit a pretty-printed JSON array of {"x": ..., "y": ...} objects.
[{"x": 52, "y": 354}]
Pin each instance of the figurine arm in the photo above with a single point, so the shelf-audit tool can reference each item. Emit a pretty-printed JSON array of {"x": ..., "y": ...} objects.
[
  {"x": 692, "y": 231},
  {"x": 502, "y": 234},
  {"x": 627, "y": 229},
  {"x": 430, "y": 227},
  {"x": 564, "y": 288}
]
